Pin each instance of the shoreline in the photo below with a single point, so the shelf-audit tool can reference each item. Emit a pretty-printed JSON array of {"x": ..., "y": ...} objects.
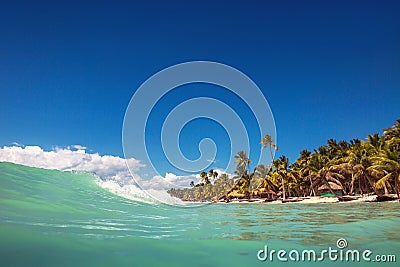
[{"x": 312, "y": 200}]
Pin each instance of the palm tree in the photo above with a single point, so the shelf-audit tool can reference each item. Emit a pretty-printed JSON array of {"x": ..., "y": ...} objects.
[
  {"x": 321, "y": 171},
  {"x": 392, "y": 136},
  {"x": 260, "y": 173},
  {"x": 281, "y": 167},
  {"x": 212, "y": 174},
  {"x": 376, "y": 141},
  {"x": 357, "y": 162},
  {"x": 393, "y": 131},
  {"x": 263, "y": 177},
  {"x": 300, "y": 166},
  {"x": 333, "y": 148},
  {"x": 267, "y": 141},
  {"x": 204, "y": 178},
  {"x": 388, "y": 162},
  {"x": 242, "y": 160},
  {"x": 245, "y": 177},
  {"x": 223, "y": 178}
]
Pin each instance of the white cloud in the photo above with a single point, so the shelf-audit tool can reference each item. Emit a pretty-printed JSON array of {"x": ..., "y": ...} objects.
[
  {"x": 17, "y": 144},
  {"x": 79, "y": 147},
  {"x": 170, "y": 180},
  {"x": 111, "y": 169},
  {"x": 65, "y": 159}
]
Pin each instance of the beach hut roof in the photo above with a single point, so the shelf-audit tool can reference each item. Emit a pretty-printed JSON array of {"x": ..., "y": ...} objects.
[
  {"x": 333, "y": 185},
  {"x": 235, "y": 193},
  {"x": 264, "y": 190}
]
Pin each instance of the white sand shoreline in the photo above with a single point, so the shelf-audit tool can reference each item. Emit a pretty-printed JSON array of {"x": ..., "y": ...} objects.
[{"x": 311, "y": 200}]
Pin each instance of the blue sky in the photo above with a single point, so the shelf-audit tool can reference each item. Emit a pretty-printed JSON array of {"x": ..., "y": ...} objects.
[{"x": 68, "y": 70}]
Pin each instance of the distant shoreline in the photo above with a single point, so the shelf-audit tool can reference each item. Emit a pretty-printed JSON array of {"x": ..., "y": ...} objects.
[{"x": 313, "y": 200}]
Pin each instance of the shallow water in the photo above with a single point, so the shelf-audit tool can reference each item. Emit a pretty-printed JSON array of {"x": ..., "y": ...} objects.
[{"x": 52, "y": 218}]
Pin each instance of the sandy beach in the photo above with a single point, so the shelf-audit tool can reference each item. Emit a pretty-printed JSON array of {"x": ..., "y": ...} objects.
[{"x": 313, "y": 200}]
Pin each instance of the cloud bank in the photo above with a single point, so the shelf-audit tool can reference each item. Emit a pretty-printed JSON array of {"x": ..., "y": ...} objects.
[
  {"x": 72, "y": 158},
  {"x": 112, "y": 170}
]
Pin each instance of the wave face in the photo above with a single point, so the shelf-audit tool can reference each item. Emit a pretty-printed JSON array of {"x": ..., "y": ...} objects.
[
  {"x": 77, "y": 203},
  {"x": 54, "y": 218}
]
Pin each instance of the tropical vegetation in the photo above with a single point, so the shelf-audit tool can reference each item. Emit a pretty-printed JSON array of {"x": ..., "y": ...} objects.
[{"x": 356, "y": 167}]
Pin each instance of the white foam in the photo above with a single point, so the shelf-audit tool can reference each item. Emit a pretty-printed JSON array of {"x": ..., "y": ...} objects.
[
  {"x": 134, "y": 193},
  {"x": 113, "y": 171}
]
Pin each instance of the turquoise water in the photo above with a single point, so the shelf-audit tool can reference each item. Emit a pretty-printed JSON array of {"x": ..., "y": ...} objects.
[{"x": 52, "y": 218}]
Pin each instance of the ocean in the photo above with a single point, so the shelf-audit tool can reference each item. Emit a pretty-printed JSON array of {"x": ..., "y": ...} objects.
[{"x": 54, "y": 218}]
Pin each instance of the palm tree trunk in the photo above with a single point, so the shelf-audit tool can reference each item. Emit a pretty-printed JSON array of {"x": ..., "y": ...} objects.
[
  {"x": 373, "y": 185},
  {"x": 366, "y": 185},
  {"x": 352, "y": 184},
  {"x": 386, "y": 190},
  {"x": 283, "y": 188},
  {"x": 397, "y": 186},
  {"x": 312, "y": 188},
  {"x": 272, "y": 156}
]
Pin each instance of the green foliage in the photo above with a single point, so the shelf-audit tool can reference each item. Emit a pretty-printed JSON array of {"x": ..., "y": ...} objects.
[
  {"x": 356, "y": 167},
  {"x": 205, "y": 191}
]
